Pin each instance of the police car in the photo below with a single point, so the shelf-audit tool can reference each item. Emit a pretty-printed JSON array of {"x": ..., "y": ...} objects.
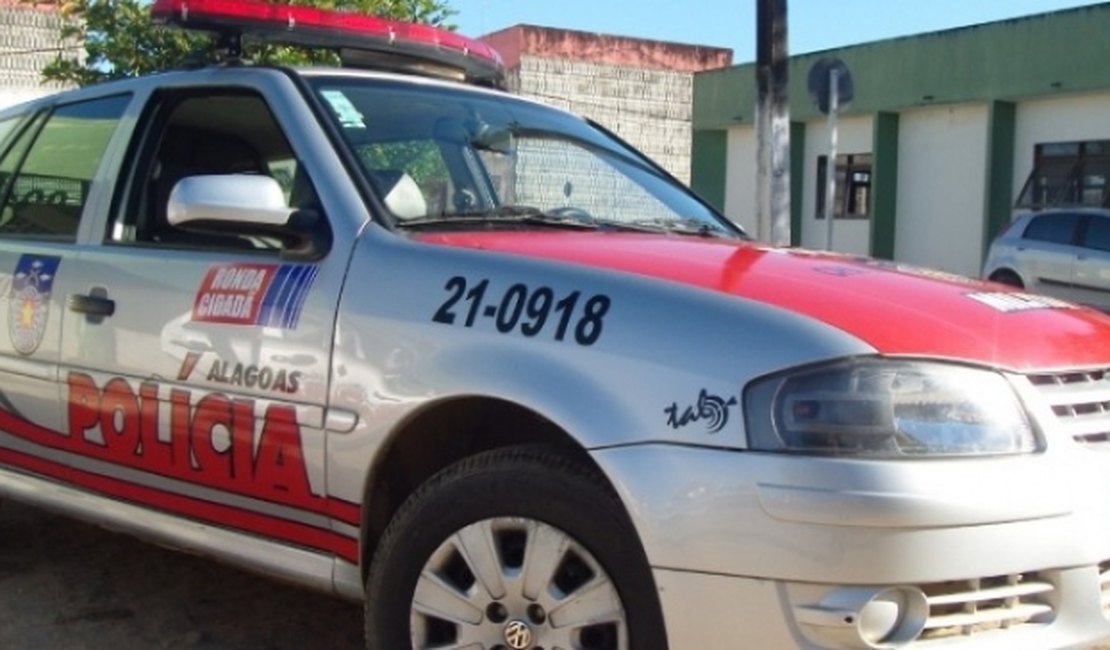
[{"x": 396, "y": 335}]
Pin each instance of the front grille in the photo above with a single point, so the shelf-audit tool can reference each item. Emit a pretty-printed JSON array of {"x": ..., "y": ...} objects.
[
  {"x": 1080, "y": 400},
  {"x": 968, "y": 607}
]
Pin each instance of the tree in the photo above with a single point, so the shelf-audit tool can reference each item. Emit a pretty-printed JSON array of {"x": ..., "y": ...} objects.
[{"x": 119, "y": 39}]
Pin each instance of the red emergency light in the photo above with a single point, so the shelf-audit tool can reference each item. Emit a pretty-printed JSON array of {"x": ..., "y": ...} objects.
[{"x": 361, "y": 40}]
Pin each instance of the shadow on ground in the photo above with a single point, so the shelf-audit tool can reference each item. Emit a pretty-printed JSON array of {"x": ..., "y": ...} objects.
[{"x": 72, "y": 586}]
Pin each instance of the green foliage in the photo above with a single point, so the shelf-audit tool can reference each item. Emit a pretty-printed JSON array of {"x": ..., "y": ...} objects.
[
  {"x": 420, "y": 159},
  {"x": 120, "y": 40}
]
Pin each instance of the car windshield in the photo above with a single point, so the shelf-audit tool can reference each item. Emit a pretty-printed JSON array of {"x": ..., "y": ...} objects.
[{"x": 442, "y": 157}]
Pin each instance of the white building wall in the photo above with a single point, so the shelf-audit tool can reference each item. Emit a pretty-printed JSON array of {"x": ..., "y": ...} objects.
[
  {"x": 854, "y": 135},
  {"x": 1059, "y": 119},
  {"x": 942, "y": 172},
  {"x": 741, "y": 203}
]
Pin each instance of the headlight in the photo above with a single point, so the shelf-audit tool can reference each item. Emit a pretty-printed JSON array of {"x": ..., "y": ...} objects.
[{"x": 887, "y": 408}]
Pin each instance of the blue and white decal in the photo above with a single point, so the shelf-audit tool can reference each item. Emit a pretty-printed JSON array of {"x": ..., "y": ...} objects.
[
  {"x": 270, "y": 295},
  {"x": 29, "y": 300}
]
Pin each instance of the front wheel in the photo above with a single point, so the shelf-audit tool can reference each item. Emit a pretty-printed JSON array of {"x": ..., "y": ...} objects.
[{"x": 513, "y": 549}]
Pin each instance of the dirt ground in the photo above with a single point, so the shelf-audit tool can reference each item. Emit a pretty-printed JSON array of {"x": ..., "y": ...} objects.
[{"x": 66, "y": 585}]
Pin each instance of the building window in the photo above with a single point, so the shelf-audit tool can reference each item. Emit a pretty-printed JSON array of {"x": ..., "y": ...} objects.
[
  {"x": 1068, "y": 174},
  {"x": 853, "y": 185}
]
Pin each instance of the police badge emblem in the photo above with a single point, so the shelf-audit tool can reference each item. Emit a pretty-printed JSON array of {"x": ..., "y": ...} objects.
[{"x": 29, "y": 301}]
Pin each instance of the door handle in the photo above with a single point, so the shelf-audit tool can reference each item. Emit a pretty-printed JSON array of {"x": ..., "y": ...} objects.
[{"x": 91, "y": 305}]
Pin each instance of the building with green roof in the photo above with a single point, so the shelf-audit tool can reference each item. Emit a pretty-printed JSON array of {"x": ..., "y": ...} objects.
[{"x": 948, "y": 136}]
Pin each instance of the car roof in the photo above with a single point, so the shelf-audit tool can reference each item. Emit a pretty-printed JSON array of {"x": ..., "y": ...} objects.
[{"x": 183, "y": 76}]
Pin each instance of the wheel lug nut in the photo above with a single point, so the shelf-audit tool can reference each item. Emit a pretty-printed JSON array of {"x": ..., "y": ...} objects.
[
  {"x": 536, "y": 614},
  {"x": 497, "y": 613}
]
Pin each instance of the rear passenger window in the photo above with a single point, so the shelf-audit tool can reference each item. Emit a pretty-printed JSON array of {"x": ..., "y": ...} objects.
[
  {"x": 45, "y": 176},
  {"x": 1053, "y": 228},
  {"x": 1097, "y": 236},
  {"x": 6, "y": 127}
]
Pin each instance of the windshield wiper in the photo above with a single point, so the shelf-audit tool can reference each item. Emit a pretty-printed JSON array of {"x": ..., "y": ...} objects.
[
  {"x": 692, "y": 227},
  {"x": 563, "y": 218},
  {"x": 505, "y": 214}
]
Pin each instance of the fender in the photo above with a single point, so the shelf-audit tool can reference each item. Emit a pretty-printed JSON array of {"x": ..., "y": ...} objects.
[{"x": 647, "y": 376}]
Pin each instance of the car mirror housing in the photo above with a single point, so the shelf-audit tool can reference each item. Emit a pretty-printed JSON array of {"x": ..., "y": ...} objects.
[
  {"x": 249, "y": 204},
  {"x": 242, "y": 199}
]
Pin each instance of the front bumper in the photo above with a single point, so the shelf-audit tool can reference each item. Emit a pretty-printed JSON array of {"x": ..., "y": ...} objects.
[
  {"x": 769, "y": 550},
  {"x": 716, "y": 612}
]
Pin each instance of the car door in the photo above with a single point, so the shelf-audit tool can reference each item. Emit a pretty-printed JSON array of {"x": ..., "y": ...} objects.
[
  {"x": 194, "y": 363},
  {"x": 1091, "y": 271},
  {"x": 1047, "y": 251},
  {"x": 49, "y": 159}
]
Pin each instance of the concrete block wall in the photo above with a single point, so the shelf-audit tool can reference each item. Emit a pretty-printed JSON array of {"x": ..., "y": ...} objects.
[
  {"x": 642, "y": 90},
  {"x": 650, "y": 109},
  {"x": 554, "y": 175},
  {"x": 29, "y": 40}
]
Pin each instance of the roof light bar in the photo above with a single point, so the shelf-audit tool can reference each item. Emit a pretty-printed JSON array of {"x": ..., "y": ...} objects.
[{"x": 359, "y": 37}]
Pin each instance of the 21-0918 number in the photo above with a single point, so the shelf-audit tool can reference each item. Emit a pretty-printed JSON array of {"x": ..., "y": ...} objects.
[{"x": 529, "y": 310}]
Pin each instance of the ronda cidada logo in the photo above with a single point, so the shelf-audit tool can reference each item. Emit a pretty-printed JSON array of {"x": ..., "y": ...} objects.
[
  {"x": 269, "y": 295},
  {"x": 711, "y": 409}
]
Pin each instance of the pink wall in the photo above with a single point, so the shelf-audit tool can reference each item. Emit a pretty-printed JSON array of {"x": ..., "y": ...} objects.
[{"x": 604, "y": 48}]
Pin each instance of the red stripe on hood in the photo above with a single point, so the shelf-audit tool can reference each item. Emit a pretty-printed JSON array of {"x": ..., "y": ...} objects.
[{"x": 894, "y": 308}]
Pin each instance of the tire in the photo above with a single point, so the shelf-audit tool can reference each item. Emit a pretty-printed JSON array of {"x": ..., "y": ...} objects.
[
  {"x": 1007, "y": 277},
  {"x": 586, "y": 564}
]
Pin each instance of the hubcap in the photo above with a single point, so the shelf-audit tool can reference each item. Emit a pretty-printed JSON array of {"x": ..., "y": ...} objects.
[
  {"x": 516, "y": 583},
  {"x": 518, "y": 635}
]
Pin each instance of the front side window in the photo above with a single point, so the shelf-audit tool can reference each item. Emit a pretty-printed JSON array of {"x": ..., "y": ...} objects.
[
  {"x": 205, "y": 132},
  {"x": 49, "y": 170},
  {"x": 443, "y": 157},
  {"x": 1053, "y": 228},
  {"x": 1097, "y": 236}
]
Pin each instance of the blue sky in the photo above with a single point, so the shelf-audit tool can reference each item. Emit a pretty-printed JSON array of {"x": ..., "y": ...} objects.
[{"x": 813, "y": 24}]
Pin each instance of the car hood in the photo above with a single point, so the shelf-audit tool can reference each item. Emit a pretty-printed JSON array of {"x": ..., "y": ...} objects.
[{"x": 895, "y": 308}]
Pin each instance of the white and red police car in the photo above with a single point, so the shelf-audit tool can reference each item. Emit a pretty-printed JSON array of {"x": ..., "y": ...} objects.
[{"x": 411, "y": 340}]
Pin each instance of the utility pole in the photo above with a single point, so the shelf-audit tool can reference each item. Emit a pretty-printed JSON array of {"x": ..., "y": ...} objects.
[
  {"x": 831, "y": 88},
  {"x": 773, "y": 113},
  {"x": 830, "y": 166}
]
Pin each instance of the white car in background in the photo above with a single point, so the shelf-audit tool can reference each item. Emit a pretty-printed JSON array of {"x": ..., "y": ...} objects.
[{"x": 1062, "y": 252}]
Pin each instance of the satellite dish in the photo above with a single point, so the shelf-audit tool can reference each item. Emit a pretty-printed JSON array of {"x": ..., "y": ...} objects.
[{"x": 819, "y": 83}]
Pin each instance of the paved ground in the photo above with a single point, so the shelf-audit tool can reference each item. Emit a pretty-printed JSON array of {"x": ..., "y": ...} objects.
[{"x": 69, "y": 586}]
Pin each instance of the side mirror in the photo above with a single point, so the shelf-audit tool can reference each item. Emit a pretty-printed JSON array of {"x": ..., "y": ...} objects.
[
  {"x": 247, "y": 204},
  {"x": 242, "y": 199},
  {"x": 496, "y": 140}
]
